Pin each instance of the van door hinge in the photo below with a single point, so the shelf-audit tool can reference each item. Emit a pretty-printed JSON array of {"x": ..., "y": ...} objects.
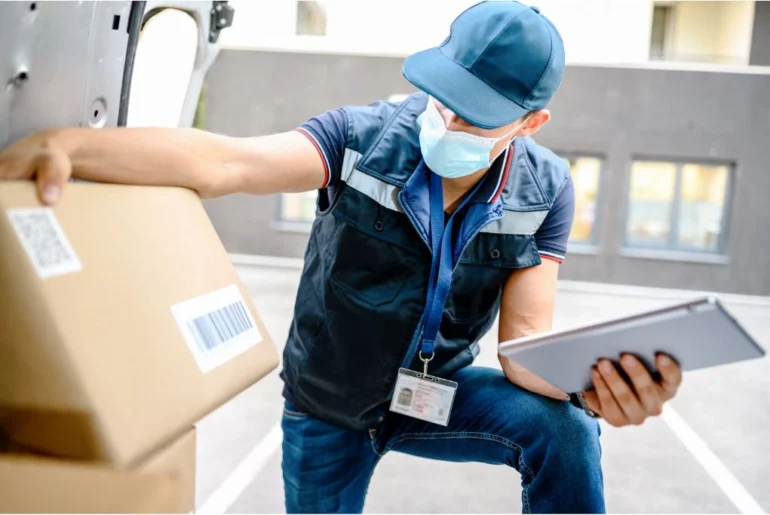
[{"x": 221, "y": 18}]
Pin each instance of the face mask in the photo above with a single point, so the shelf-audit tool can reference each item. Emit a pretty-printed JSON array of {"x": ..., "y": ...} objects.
[{"x": 453, "y": 154}]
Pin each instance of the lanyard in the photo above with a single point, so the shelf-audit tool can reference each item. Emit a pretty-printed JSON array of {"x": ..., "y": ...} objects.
[{"x": 441, "y": 266}]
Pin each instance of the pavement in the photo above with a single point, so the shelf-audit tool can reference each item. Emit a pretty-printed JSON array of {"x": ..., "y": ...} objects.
[{"x": 708, "y": 453}]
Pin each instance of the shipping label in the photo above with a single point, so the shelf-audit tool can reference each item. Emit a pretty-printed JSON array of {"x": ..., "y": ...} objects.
[
  {"x": 217, "y": 326},
  {"x": 44, "y": 240}
]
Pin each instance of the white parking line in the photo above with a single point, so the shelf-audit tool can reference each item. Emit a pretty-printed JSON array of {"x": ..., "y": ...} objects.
[
  {"x": 729, "y": 484},
  {"x": 232, "y": 487}
]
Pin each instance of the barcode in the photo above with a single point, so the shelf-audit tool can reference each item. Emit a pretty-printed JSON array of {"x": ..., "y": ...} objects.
[
  {"x": 217, "y": 326},
  {"x": 220, "y": 326},
  {"x": 45, "y": 242}
]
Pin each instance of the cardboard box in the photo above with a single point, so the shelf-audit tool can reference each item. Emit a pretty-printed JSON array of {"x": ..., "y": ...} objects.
[
  {"x": 164, "y": 484},
  {"x": 178, "y": 460},
  {"x": 123, "y": 321}
]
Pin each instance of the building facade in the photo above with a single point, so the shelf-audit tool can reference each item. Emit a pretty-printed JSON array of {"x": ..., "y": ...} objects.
[
  {"x": 670, "y": 166},
  {"x": 663, "y": 115}
]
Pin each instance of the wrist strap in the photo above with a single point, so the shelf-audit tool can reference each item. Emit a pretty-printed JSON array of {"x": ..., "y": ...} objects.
[{"x": 577, "y": 400}]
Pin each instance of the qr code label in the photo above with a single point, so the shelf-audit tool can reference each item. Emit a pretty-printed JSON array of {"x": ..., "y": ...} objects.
[
  {"x": 44, "y": 241},
  {"x": 217, "y": 326}
]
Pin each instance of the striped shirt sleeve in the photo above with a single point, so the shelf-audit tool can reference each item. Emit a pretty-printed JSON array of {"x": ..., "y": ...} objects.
[
  {"x": 328, "y": 133},
  {"x": 552, "y": 236}
]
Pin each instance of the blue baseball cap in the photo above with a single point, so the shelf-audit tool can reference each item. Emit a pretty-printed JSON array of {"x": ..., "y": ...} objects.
[{"x": 501, "y": 60}]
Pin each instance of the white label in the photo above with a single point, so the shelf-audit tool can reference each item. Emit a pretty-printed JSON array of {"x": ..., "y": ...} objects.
[
  {"x": 217, "y": 327},
  {"x": 45, "y": 242},
  {"x": 423, "y": 396}
]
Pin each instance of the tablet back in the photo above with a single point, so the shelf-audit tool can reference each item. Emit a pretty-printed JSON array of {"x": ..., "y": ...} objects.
[{"x": 697, "y": 334}]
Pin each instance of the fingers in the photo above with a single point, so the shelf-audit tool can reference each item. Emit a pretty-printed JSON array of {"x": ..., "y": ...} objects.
[
  {"x": 621, "y": 391},
  {"x": 36, "y": 157},
  {"x": 608, "y": 406},
  {"x": 622, "y": 404},
  {"x": 12, "y": 167},
  {"x": 647, "y": 390},
  {"x": 670, "y": 375},
  {"x": 16, "y": 161},
  {"x": 53, "y": 170}
]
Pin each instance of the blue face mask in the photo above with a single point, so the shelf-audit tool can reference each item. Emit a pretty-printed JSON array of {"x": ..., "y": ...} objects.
[{"x": 453, "y": 154}]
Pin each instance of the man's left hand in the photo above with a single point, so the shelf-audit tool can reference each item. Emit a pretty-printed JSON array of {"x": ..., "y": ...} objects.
[{"x": 622, "y": 404}]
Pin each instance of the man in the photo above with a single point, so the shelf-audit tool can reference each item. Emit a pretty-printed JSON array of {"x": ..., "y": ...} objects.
[{"x": 433, "y": 215}]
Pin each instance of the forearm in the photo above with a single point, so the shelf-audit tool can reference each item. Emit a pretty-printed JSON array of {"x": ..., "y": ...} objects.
[
  {"x": 527, "y": 308},
  {"x": 525, "y": 324},
  {"x": 517, "y": 324},
  {"x": 210, "y": 164},
  {"x": 205, "y": 162}
]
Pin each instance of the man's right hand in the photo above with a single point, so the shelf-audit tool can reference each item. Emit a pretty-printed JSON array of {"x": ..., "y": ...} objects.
[
  {"x": 38, "y": 157},
  {"x": 210, "y": 164}
]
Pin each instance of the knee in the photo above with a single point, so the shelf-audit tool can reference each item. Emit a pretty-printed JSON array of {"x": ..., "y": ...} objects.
[
  {"x": 571, "y": 435},
  {"x": 548, "y": 429}
]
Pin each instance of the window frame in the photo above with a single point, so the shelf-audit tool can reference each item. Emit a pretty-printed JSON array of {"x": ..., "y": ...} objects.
[
  {"x": 668, "y": 30},
  {"x": 590, "y": 245},
  {"x": 282, "y": 224},
  {"x": 672, "y": 247}
]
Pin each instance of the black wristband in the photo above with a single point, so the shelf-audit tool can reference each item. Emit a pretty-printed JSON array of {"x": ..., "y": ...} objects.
[{"x": 577, "y": 400}]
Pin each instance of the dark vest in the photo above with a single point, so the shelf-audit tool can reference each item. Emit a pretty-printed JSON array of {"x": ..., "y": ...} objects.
[{"x": 359, "y": 307}]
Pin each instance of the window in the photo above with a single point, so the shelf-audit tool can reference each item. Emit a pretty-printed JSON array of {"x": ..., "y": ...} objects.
[
  {"x": 298, "y": 208},
  {"x": 311, "y": 18},
  {"x": 585, "y": 177},
  {"x": 702, "y": 31},
  {"x": 677, "y": 206},
  {"x": 163, "y": 66},
  {"x": 660, "y": 38}
]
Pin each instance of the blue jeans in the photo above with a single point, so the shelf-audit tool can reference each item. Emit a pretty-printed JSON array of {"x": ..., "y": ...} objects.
[{"x": 553, "y": 445}]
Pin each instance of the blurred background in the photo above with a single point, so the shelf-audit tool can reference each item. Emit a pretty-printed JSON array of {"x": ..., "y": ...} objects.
[{"x": 663, "y": 116}]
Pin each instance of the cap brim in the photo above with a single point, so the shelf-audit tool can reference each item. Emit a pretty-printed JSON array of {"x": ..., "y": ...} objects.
[{"x": 466, "y": 95}]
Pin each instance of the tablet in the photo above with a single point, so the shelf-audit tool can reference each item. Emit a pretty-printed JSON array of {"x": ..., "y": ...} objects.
[{"x": 697, "y": 334}]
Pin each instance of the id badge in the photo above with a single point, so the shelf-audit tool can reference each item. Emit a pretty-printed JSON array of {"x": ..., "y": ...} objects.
[{"x": 423, "y": 396}]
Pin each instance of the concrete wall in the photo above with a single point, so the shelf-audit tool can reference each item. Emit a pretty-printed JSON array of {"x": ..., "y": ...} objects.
[
  {"x": 760, "y": 42},
  {"x": 616, "y": 113}
]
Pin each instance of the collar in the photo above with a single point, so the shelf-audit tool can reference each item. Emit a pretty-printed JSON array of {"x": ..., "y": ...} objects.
[
  {"x": 490, "y": 189},
  {"x": 494, "y": 180}
]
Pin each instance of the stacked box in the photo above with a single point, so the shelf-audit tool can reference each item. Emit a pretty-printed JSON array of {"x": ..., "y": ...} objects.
[
  {"x": 122, "y": 323},
  {"x": 165, "y": 483}
]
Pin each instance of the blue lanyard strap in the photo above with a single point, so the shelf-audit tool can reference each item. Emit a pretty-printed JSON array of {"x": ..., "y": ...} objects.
[{"x": 441, "y": 265}]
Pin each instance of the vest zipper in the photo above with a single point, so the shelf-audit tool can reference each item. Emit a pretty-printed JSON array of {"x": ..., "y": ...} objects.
[{"x": 416, "y": 341}]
